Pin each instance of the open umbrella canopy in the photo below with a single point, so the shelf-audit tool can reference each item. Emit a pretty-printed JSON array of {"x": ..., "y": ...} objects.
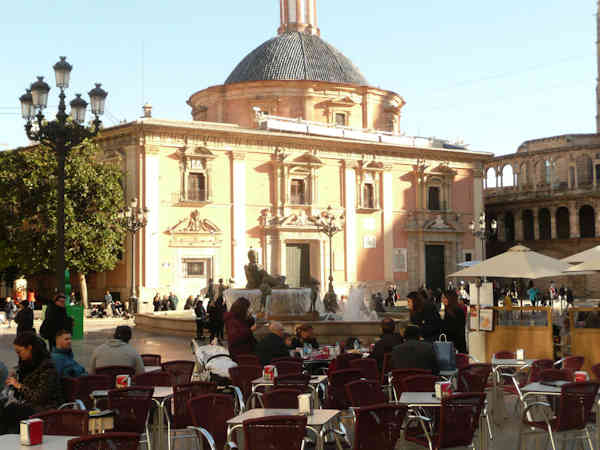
[
  {"x": 584, "y": 256},
  {"x": 518, "y": 262},
  {"x": 593, "y": 265}
]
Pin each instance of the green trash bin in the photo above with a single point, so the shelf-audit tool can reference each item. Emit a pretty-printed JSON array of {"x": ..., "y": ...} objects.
[{"x": 76, "y": 312}]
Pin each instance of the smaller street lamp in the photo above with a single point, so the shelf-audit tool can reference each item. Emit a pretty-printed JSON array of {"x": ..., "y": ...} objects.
[
  {"x": 133, "y": 218},
  {"x": 480, "y": 230},
  {"x": 328, "y": 224}
]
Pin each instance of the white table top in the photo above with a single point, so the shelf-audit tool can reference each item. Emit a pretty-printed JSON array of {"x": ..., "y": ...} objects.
[
  {"x": 419, "y": 399},
  {"x": 159, "y": 392},
  {"x": 151, "y": 368},
  {"x": 511, "y": 362},
  {"x": 318, "y": 418},
  {"x": 539, "y": 388},
  {"x": 315, "y": 379},
  {"x": 13, "y": 441}
]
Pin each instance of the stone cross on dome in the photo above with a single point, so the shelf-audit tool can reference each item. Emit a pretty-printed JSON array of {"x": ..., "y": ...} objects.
[{"x": 299, "y": 15}]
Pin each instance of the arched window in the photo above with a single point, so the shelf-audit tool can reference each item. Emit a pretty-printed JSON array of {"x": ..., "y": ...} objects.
[
  {"x": 508, "y": 177},
  {"x": 509, "y": 227},
  {"x": 527, "y": 218},
  {"x": 587, "y": 219},
  {"x": 547, "y": 172},
  {"x": 545, "y": 224},
  {"x": 490, "y": 178},
  {"x": 563, "y": 226},
  {"x": 584, "y": 171}
]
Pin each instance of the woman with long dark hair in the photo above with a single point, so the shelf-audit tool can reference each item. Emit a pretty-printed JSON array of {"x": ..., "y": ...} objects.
[
  {"x": 424, "y": 314},
  {"x": 35, "y": 387},
  {"x": 454, "y": 321},
  {"x": 240, "y": 327}
]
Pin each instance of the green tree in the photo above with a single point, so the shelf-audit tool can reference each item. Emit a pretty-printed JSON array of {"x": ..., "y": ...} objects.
[{"x": 93, "y": 198}]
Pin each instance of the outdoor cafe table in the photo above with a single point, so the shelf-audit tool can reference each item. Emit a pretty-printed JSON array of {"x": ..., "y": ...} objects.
[
  {"x": 13, "y": 442},
  {"x": 497, "y": 400},
  {"x": 428, "y": 400},
  {"x": 320, "y": 419},
  {"x": 313, "y": 383}
]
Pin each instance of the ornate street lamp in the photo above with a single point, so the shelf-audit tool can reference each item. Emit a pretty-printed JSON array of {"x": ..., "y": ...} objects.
[
  {"x": 328, "y": 224},
  {"x": 61, "y": 135},
  {"x": 133, "y": 218},
  {"x": 480, "y": 230}
]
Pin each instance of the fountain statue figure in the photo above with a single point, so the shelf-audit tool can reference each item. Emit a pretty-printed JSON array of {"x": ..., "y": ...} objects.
[{"x": 258, "y": 278}]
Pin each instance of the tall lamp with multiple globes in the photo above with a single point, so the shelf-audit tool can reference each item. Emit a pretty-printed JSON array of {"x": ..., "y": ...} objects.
[
  {"x": 133, "y": 218},
  {"x": 480, "y": 230},
  {"x": 329, "y": 224},
  {"x": 61, "y": 135}
]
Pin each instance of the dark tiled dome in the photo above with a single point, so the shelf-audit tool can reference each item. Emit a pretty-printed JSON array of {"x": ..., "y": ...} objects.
[{"x": 296, "y": 56}]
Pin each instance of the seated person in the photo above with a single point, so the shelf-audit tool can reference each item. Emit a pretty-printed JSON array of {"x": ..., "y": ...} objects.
[
  {"x": 117, "y": 352},
  {"x": 36, "y": 386},
  {"x": 62, "y": 356},
  {"x": 289, "y": 340},
  {"x": 305, "y": 334},
  {"x": 272, "y": 345},
  {"x": 389, "y": 339},
  {"x": 3, "y": 374},
  {"x": 414, "y": 353}
]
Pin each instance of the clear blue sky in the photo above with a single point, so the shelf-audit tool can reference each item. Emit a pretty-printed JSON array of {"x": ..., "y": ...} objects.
[{"x": 491, "y": 73}]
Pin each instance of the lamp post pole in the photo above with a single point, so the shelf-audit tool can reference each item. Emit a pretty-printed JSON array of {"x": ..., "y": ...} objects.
[
  {"x": 480, "y": 230},
  {"x": 133, "y": 218},
  {"x": 61, "y": 135},
  {"x": 328, "y": 224}
]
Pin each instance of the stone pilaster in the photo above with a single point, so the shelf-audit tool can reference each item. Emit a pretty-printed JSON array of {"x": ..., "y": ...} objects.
[
  {"x": 553, "y": 233},
  {"x": 573, "y": 221},
  {"x": 152, "y": 230},
  {"x": 518, "y": 215},
  {"x": 350, "y": 226},
  {"x": 388, "y": 224},
  {"x": 238, "y": 169},
  {"x": 536, "y": 224}
]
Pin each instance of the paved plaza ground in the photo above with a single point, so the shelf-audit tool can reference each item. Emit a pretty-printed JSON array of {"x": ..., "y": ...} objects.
[{"x": 175, "y": 347}]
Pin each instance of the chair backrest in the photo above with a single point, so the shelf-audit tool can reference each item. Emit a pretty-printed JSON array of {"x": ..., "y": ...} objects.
[
  {"x": 556, "y": 375},
  {"x": 364, "y": 393},
  {"x": 181, "y": 370},
  {"x": 378, "y": 427},
  {"x": 343, "y": 361},
  {"x": 120, "y": 441},
  {"x": 288, "y": 367},
  {"x": 419, "y": 383},
  {"x": 474, "y": 377},
  {"x": 150, "y": 359},
  {"x": 281, "y": 398},
  {"x": 596, "y": 371},
  {"x": 368, "y": 367},
  {"x": 242, "y": 376},
  {"x": 275, "y": 433},
  {"x": 211, "y": 412},
  {"x": 504, "y": 354},
  {"x": 182, "y": 394},
  {"x": 113, "y": 371},
  {"x": 70, "y": 388},
  {"x": 573, "y": 363},
  {"x": 297, "y": 381},
  {"x": 576, "y": 403},
  {"x": 285, "y": 358},
  {"x": 336, "y": 393},
  {"x": 459, "y": 418},
  {"x": 86, "y": 384},
  {"x": 64, "y": 422},
  {"x": 399, "y": 374},
  {"x": 154, "y": 378},
  {"x": 248, "y": 360},
  {"x": 536, "y": 368},
  {"x": 462, "y": 360},
  {"x": 386, "y": 367},
  {"x": 131, "y": 407}
]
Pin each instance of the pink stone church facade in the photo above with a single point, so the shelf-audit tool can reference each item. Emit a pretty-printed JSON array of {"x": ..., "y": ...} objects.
[{"x": 294, "y": 129}]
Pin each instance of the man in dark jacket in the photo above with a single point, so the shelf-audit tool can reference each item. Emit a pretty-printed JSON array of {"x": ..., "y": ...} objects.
[
  {"x": 56, "y": 319},
  {"x": 272, "y": 345},
  {"x": 414, "y": 353},
  {"x": 24, "y": 317},
  {"x": 200, "y": 319},
  {"x": 389, "y": 339},
  {"x": 62, "y": 357}
]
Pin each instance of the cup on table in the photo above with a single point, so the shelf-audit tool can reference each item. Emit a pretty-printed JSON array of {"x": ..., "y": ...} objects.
[
  {"x": 520, "y": 354},
  {"x": 122, "y": 381},
  {"x": 581, "y": 375},
  {"x": 270, "y": 372},
  {"x": 32, "y": 431}
]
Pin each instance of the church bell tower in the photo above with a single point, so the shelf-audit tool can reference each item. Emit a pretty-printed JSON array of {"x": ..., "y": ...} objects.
[{"x": 299, "y": 15}]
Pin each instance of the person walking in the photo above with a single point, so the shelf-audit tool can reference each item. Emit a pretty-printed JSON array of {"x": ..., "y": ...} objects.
[
  {"x": 454, "y": 321},
  {"x": 200, "y": 320},
  {"x": 24, "y": 318},
  {"x": 56, "y": 319},
  {"x": 10, "y": 310},
  {"x": 108, "y": 301}
]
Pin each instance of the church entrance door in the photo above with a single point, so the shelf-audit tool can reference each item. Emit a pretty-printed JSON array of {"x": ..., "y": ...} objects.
[
  {"x": 434, "y": 266},
  {"x": 297, "y": 265}
]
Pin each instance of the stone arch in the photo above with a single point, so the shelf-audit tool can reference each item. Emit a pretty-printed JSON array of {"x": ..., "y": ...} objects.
[
  {"x": 509, "y": 227},
  {"x": 587, "y": 221},
  {"x": 545, "y": 224},
  {"x": 584, "y": 170},
  {"x": 563, "y": 225},
  {"x": 508, "y": 176},
  {"x": 491, "y": 179},
  {"x": 527, "y": 218}
]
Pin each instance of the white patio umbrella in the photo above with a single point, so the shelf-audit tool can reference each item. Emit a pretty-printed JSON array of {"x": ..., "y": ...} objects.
[
  {"x": 584, "y": 256},
  {"x": 585, "y": 268},
  {"x": 518, "y": 262}
]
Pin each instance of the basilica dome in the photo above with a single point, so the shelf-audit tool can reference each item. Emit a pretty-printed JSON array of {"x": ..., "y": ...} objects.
[{"x": 294, "y": 55}]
